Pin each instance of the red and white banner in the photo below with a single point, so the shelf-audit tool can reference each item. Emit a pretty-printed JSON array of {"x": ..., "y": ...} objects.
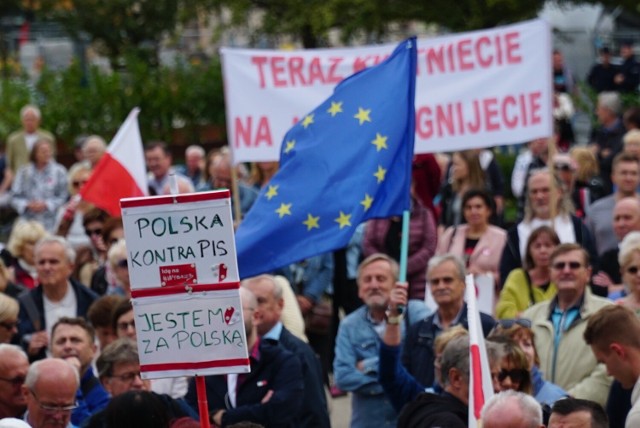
[{"x": 475, "y": 89}]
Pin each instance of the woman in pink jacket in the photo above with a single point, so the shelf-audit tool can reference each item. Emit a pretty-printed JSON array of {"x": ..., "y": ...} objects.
[{"x": 479, "y": 243}]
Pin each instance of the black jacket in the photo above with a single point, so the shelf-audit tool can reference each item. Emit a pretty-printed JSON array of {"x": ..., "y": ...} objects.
[
  {"x": 314, "y": 413},
  {"x": 276, "y": 370},
  {"x": 32, "y": 311},
  {"x": 431, "y": 410},
  {"x": 418, "y": 355}
]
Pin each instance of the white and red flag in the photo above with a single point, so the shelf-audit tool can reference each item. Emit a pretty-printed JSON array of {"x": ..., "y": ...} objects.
[
  {"x": 480, "y": 384},
  {"x": 121, "y": 172}
]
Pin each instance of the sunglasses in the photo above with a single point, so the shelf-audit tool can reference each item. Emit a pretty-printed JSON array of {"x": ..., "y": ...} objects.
[
  {"x": 562, "y": 265},
  {"x": 563, "y": 167},
  {"x": 633, "y": 270},
  {"x": 508, "y": 323},
  {"x": 78, "y": 183},
  {"x": 122, "y": 263},
  {"x": 516, "y": 375},
  {"x": 9, "y": 325},
  {"x": 91, "y": 232}
]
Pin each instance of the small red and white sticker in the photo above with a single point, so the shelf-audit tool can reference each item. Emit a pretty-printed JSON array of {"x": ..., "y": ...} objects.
[
  {"x": 219, "y": 272},
  {"x": 231, "y": 316},
  {"x": 178, "y": 275}
]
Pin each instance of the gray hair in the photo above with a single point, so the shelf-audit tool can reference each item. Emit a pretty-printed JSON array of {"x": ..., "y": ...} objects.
[
  {"x": 120, "y": 351},
  {"x": 35, "y": 371},
  {"x": 90, "y": 139},
  {"x": 195, "y": 149},
  {"x": 529, "y": 407},
  {"x": 448, "y": 257},
  {"x": 456, "y": 356},
  {"x": 9, "y": 348},
  {"x": 564, "y": 204},
  {"x": 69, "y": 252},
  {"x": 377, "y": 257},
  {"x": 30, "y": 108},
  {"x": 277, "y": 287},
  {"x": 610, "y": 101}
]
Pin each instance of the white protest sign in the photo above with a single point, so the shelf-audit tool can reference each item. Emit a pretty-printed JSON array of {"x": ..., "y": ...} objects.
[
  {"x": 185, "y": 285},
  {"x": 200, "y": 333},
  {"x": 180, "y": 240},
  {"x": 474, "y": 89}
]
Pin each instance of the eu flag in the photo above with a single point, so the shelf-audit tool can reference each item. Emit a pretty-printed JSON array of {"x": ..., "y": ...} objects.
[{"x": 347, "y": 161}]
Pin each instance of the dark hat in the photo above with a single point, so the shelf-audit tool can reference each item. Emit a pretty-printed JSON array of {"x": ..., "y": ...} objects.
[{"x": 605, "y": 50}]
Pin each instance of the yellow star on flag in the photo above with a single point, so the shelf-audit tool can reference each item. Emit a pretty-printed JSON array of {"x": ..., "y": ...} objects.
[
  {"x": 285, "y": 209},
  {"x": 311, "y": 222},
  {"x": 308, "y": 120},
  {"x": 379, "y": 174},
  {"x": 290, "y": 145},
  {"x": 380, "y": 142},
  {"x": 272, "y": 191},
  {"x": 367, "y": 201},
  {"x": 335, "y": 108},
  {"x": 363, "y": 115},
  {"x": 344, "y": 220}
]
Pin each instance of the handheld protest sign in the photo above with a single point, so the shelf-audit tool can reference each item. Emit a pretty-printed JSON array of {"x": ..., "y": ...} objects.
[{"x": 184, "y": 285}]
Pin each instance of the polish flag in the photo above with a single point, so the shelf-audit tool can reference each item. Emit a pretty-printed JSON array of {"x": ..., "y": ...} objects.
[
  {"x": 480, "y": 385},
  {"x": 121, "y": 172}
]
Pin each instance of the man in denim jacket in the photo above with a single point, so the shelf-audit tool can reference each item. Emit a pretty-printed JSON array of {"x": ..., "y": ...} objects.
[{"x": 356, "y": 363}]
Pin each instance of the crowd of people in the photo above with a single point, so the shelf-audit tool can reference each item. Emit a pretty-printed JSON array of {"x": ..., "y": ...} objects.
[{"x": 341, "y": 322}]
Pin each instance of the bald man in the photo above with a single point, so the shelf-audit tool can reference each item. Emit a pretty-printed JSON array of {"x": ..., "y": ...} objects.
[
  {"x": 626, "y": 218},
  {"x": 50, "y": 390}
]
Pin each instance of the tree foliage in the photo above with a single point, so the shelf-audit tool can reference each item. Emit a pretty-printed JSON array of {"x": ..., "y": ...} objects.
[
  {"x": 310, "y": 21},
  {"x": 121, "y": 27}
]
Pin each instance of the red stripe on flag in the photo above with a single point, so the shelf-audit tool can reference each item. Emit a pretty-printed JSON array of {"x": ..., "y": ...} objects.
[
  {"x": 109, "y": 183},
  {"x": 476, "y": 372},
  {"x": 168, "y": 200},
  {"x": 181, "y": 289},
  {"x": 194, "y": 366}
]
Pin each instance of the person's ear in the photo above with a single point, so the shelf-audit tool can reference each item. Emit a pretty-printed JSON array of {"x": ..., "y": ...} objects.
[{"x": 618, "y": 349}]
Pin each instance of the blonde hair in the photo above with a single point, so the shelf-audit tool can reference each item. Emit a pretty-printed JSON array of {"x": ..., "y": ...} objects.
[
  {"x": 631, "y": 137},
  {"x": 74, "y": 172},
  {"x": 8, "y": 308},
  {"x": 23, "y": 232},
  {"x": 587, "y": 164},
  {"x": 117, "y": 252}
]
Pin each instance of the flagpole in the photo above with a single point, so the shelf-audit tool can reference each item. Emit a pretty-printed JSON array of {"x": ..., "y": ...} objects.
[
  {"x": 201, "y": 388},
  {"x": 404, "y": 255}
]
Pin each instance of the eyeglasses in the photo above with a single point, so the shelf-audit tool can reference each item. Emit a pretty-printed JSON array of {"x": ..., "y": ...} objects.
[
  {"x": 9, "y": 325},
  {"x": 508, "y": 323},
  {"x": 446, "y": 280},
  {"x": 78, "y": 183},
  {"x": 633, "y": 270},
  {"x": 562, "y": 265},
  {"x": 15, "y": 382},
  {"x": 125, "y": 325},
  {"x": 516, "y": 375},
  {"x": 90, "y": 232},
  {"x": 562, "y": 167},
  {"x": 128, "y": 377},
  {"x": 53, "y": 409}
]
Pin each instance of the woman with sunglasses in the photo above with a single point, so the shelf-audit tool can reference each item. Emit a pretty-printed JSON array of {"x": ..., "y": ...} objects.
[
  {"x": 519, "y": 331},
  {"x": 530, "y": 284},
  {"x": 514, "y": 368}
]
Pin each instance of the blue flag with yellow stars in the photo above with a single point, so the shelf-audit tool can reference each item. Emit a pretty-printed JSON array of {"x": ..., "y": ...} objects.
[{"x": 347, "y": 161}]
